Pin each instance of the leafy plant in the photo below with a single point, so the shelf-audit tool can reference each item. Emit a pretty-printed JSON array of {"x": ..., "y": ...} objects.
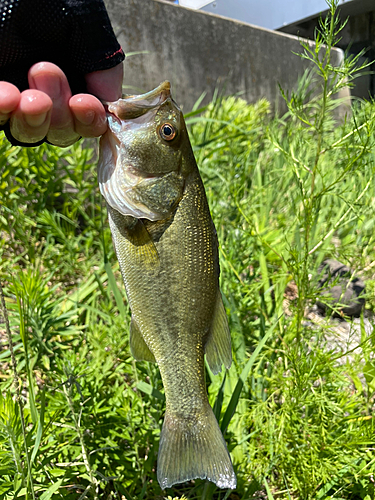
[{"x": 80, "y": 419}]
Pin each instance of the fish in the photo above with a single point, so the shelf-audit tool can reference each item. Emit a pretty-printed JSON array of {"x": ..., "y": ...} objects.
[{"x": 167, "y": 248}]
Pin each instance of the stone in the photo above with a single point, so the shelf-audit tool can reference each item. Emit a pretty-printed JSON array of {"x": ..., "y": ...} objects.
[{"x": 340, "y": 286}]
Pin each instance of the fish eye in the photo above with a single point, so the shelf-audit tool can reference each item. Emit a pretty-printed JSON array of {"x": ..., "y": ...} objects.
[{"x": 167, "y": 132}]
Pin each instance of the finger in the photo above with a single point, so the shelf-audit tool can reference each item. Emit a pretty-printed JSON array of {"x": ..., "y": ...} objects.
[
  {"x": 29, "y": 123},
  {"x": 50, "y": 79},
  {"x": 89, "y": 115},
  {"x": 9, "y": 99},
  {"x": 106, "y": 84}
]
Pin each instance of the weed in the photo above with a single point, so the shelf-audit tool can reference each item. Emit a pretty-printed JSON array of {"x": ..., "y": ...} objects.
[{"x": 80, "y": 419}]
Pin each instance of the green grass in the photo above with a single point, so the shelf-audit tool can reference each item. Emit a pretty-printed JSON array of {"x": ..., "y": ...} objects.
[{"x": 80, "y": 419}]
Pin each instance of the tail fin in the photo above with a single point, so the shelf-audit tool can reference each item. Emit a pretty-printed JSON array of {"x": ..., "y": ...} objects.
[{"x": 193, "y": 448}]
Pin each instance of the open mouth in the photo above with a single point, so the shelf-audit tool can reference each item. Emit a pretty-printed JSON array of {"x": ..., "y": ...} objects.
[{"x": 134, "y": 106}]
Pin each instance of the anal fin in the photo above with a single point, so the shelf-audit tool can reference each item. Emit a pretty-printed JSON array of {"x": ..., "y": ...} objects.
[
  {"x": 218, "y": 347},
  {"x": 138, "y": 346}
]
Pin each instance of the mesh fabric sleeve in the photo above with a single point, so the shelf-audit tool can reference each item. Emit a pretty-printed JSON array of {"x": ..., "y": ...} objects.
[{"x": 76, "y": 35}]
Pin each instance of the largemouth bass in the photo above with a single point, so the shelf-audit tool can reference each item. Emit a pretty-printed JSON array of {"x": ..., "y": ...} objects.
[{"x": 167, "y": 248}]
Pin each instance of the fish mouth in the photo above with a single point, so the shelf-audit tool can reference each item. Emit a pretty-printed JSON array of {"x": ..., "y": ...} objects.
[
  {"x": 134, "y": 106},
  {"x": 127, "y": 188}
]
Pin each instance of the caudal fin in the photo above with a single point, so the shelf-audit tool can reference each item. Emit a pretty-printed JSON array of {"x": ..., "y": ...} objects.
[{"x": 193, "y": 448}]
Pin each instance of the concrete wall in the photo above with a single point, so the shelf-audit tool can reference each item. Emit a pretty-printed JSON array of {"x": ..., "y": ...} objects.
[{"x": 197, "y": 52}]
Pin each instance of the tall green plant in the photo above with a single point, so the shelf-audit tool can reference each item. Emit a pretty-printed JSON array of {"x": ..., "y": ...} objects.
[{"x": 321, "y": 155}]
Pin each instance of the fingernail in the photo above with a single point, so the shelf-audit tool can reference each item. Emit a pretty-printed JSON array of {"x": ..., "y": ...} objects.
[
  {"x": 24, "y": 134},
  {"x": 35, "y": 120},
  {"x": 86, "y": 117},
  {"x": 50, "y": 84},
  {"x": 3, "y": 119},
  {"x": 62, "y": 138}
]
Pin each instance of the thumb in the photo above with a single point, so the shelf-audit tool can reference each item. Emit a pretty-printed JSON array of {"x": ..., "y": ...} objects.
[{"x": 106, "y": 84}]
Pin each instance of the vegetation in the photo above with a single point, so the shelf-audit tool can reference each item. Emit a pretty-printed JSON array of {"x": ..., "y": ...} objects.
[{"x": 80, "y": 419}]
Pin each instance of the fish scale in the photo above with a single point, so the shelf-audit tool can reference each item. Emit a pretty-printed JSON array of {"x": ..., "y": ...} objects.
[{"x": 169, "y": 264}]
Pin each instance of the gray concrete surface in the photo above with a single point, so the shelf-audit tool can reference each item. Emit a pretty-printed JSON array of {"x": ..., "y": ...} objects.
[{"x": 198, "y": 52}]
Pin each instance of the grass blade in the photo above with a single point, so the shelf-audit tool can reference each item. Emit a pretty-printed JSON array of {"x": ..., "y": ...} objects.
[
  {"x": 51, "y": 490},
  {"x": 227, "y": 494},
  {"x": 151, "y": 391},
  {"x": 39, "y": 431},
  {"x": 242, "y": 379},
  {"x": 115, "y": 289},
  {"x": 268, "y": 490},
  {"x": 219, "y": 399}
]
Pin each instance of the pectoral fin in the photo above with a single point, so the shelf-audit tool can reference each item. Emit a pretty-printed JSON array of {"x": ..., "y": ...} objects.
[
  {"x": 218, "y": 346},
  {"x": 138, "y": 346},
  {"x": 144, "y": 248}
]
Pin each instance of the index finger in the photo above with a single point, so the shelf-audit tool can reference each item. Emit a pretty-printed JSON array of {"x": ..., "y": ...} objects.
[{"x": 9, "y": 99}]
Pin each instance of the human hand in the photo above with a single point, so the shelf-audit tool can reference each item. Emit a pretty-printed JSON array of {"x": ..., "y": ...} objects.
[{"x": 48, "y": 109}]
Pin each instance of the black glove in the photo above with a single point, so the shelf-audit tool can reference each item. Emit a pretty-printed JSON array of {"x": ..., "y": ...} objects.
[{"x": 76, "y": 35}]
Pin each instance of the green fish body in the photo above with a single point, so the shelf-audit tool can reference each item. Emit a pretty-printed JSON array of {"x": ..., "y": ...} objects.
[{"x": 167, "y": 248}]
